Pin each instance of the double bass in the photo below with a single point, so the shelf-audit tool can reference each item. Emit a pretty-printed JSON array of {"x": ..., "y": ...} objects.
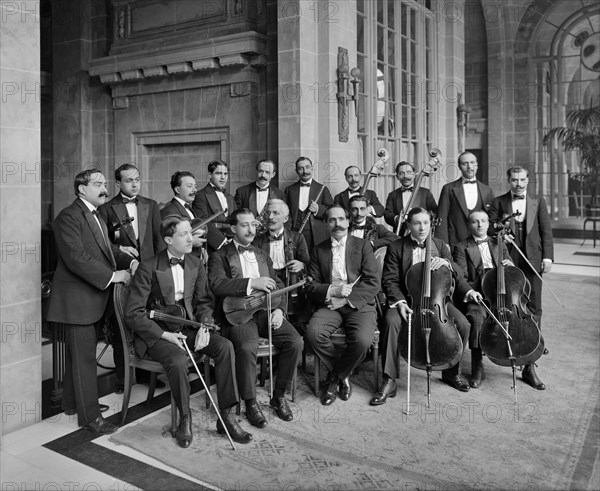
[
  {"x": 510, "y": 336},
  {"x": 435, "y": 342}
]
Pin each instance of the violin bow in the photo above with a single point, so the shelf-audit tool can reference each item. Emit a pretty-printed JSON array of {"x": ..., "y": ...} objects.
[
  {"x": 209, "y": 394},
  {"x": 407, "y": 409},
  {"x": 506, "y": 334},
  {"x": 269, "y": 328}
]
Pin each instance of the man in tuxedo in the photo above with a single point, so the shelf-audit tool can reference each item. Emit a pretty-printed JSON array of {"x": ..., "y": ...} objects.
[
  {"x": 301, "y": 197},
  {"x": 345, "y": 282},
  {"x": 289, "y": 253},
  {"x": 173, "y": 277},
  {"x": 133, "y": 223},
  {"x": 401, "y": 255},
  {"x": 365, "y": 227},
  {"x": 213, "y": 198},
  {"x": 238, "y": 270},
  {"x": 255, "y": 195},
  {"x": 458, "y": 198},
  {"x": 397, "y": 200},
  {"x": 352, "y": 175},
  {"x": 532, "y": 232},
  {"x": 475, "y": 256},
  {"x": 88, "y": 264}
]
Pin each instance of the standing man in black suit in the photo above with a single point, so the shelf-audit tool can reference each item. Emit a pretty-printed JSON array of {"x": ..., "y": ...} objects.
[
  {"x": 397, "y": 200},
  {"x": 476, "y": 256},
  {"x": 400, "y": 257},
  {"x": 88, "y": 264},
  {"x": 458, "y": 198},
  {"x": 301, "y": 197},
  {"x": 352, "y": 175},
  {"x": 173, "y": 277},
  {"x": 255, "y": 195},
  {"x": 134, "y": 225},
  {"x": 345, "y": 282},
  {"x": 213, "y": 198},
  {"x": 237, "y": 270},
  {"x": 532, "y": 231}
]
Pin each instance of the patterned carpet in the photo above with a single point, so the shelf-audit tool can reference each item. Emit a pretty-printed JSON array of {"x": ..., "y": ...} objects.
[{"x": 477, "y": 440}]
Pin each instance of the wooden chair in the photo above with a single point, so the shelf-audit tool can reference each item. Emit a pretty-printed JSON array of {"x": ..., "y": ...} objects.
[{"x": 133, "y": 361}]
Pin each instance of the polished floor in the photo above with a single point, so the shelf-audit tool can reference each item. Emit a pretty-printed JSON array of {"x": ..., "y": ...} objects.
[{"x": 56, "y": 454}]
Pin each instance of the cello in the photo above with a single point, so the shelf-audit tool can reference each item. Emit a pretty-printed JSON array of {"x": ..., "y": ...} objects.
[
  {"x": 435, "y": 343},
  {"x": 510, "y": 336}
]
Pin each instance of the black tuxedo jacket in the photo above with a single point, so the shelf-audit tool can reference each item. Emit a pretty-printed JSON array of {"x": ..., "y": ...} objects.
[
  {"x": 453, "y": 212},
  {"x": 294, "y": 246},
  {"x": 467, "y": 255},
  {"x": 206, "y": 203},
  {"x": 398, "y": 261},
  {"x": 343, "y": 199},
  {"x": 245, "y": 196},
  {"x": 393, "y": 204},
  {"x": 379, "y": 235},
  {"x": 538, "y": 239},
  {"x": 153, "y": 282},
  {"x": 80, "y": 285},
  {"x": 316, "y": 223},
  {"x": 226, "y": 277},
  {"x": 173, "y": 207},
  {"x": 359, "y": 260},
  {"x": 149, "y": 240}
]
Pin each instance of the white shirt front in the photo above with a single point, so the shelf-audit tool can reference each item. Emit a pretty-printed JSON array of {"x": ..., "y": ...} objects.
[
  {"x": 222, "y": 200},
  {"x": 486, "y": 255},
  {"x": 277, "y": 251},
  {"x": 471, "y": 194},
  {"x": 339, "y": 274},
  {"x": 304, "y": 195},
  {"x": 132, "y": 211},
  {"x": 261, "y": 199},
  {"x": 519, "y": 205},
  {"x": 177, "y": 272}
]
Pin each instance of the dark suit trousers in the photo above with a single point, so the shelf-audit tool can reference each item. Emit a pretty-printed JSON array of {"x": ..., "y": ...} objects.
[
  {"x": 475, "y": 314},
  {"x": 245, "y": 341},
  {"x": 175, "y": 362},
  {"x": 390, "y": 334},
  {"x": 359, "y": 326},
  {"x": 80, "y": 382}
]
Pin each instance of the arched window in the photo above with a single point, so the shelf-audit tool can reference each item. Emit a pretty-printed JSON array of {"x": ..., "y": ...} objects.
[{"x": 396, "y": 55}]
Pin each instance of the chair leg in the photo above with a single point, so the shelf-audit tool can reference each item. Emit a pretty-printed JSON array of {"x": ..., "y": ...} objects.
[
  {"x": 207, "y": 380},
  {"x": 152, "y": 386},
  {"x": 126, "y": 393}
]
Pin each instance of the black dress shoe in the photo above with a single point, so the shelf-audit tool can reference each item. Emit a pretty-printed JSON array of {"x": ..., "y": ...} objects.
[
  {"x": 233, "y": 427},
  {"x": 388, "y": 389},
  {"x": 101, "y": 426},
  {"x": 73, "y": 412},
  {"x": 457, "y": 382},
  {"x": 184, "y": 435},
  {"x": 255, "y": 415},
  {"x": 345, "y": 389},
  {"x": 282, "y": 408},
  {"x": 531, "y": 378},
  {"x": 329, "y": 394},
  {"x": 119, "y": 388},
  {"x": 477, "y": 375}
]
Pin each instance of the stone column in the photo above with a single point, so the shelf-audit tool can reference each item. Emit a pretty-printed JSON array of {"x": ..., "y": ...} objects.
[
  {"x": 20, "y": 268},
  {"x": 309, "y": 34}
]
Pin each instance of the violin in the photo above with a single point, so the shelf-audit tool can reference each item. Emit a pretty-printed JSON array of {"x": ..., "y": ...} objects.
[
  {"x": 239, "y": 310},
  {"x": 507, "y": 291},
  {"x": 435, "y": 342},
  {"x": 172, "y": 318}
]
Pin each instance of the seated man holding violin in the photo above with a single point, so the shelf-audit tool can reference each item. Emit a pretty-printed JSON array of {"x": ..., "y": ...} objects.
[
  {"x": 476, "y": 256},
  {"x": 176, "y": 277},
  {"x": 240, "y": 276},
  {"x": 401, "y": 257}
]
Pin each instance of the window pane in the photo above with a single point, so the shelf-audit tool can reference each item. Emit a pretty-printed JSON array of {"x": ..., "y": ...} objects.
[
  {"x": 412, "y": 19},
  {"x": 380, "y": 5},
  {"x": 391, "y": 85},
  {"x": 360, "y": 34},
  {"x": 391, "y": 14},
  {"x": 391, "y": 48},
  {"x": 380, "y": 47}
]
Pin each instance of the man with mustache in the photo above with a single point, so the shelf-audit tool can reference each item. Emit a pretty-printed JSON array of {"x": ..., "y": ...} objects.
[
  {"x": 352, "y": 175},
  {"x": 213, "y": 198},
  {"x": 397, "y": 200},
  {"x": 183, "y": 184},
  {"x": 532, "y": 231},
  {"x": 240, "y": 269},
  {"x": 255, "y": 195},
  {"x": 88, "y": 265},
  {"x": 345, "y": 282},
  {"x": 133, "y": 223},
  {"x": 458, "y": 198},
  {"x": 365, "y": 227},
  {"x": 301, "y": 197}
]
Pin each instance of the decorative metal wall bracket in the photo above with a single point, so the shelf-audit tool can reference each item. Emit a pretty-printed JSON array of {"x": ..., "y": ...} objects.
[{"x": 347, "y": 81}]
